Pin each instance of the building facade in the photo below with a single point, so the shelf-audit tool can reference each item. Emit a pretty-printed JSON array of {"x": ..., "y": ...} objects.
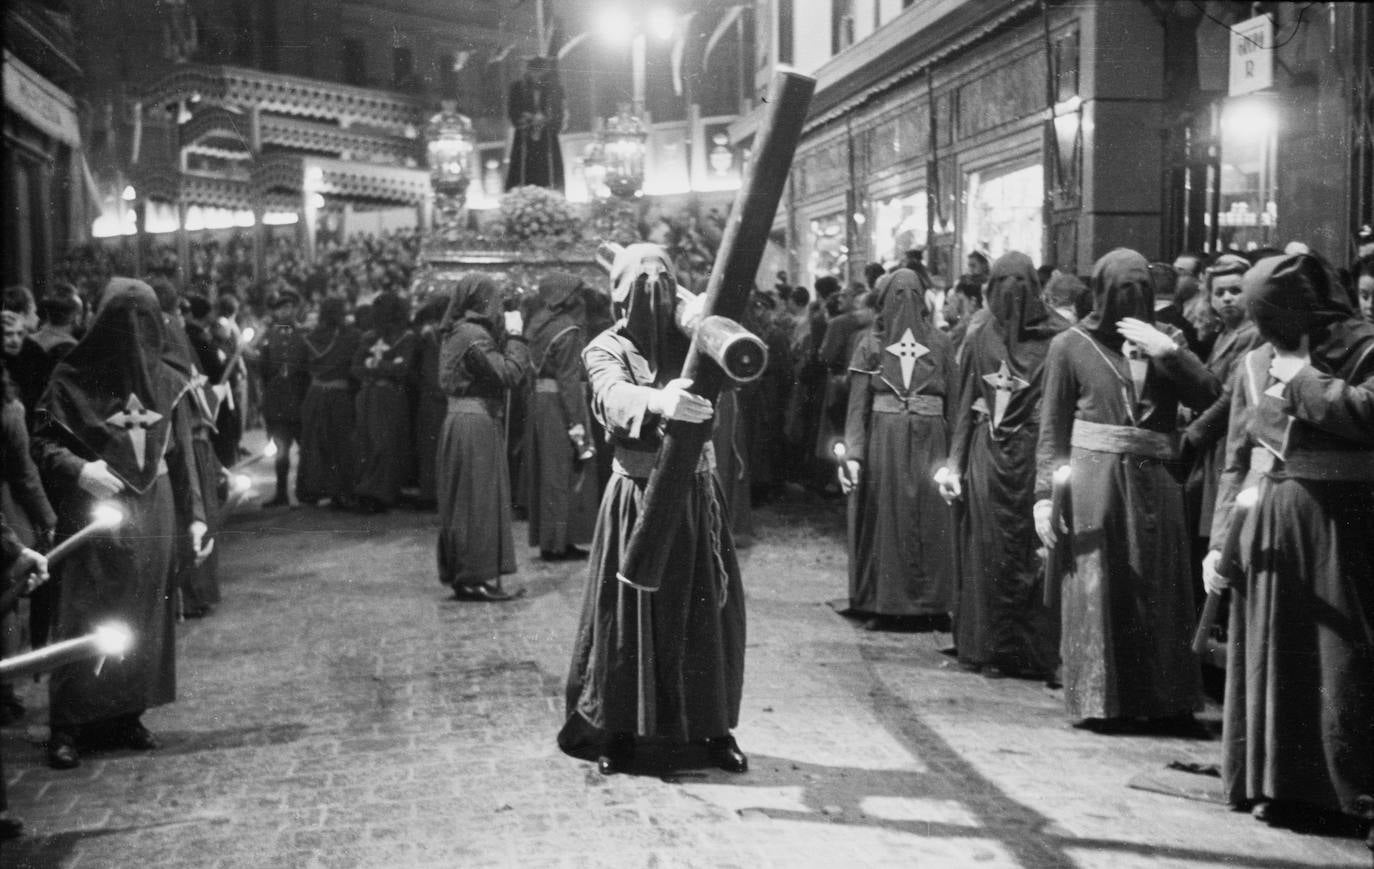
[{"x": 1067, "y": 129}]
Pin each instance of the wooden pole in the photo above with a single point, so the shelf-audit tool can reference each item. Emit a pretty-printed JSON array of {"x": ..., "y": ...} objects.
[{"x": 727, "y": 295}]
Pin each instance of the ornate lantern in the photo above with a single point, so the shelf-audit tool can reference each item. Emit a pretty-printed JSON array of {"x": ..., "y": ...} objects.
[
  {"x": 450, "y": 144},
  {"x": 623, "y": 145}
]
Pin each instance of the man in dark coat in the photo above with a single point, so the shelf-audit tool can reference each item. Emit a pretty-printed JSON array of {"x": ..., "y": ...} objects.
[
  {"x": 328, "y": 414},
  {"x": 282, "y": 363}
]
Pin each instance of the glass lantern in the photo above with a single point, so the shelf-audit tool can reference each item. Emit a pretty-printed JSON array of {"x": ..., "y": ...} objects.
[
  {"x": 450, "y": 145},
  {"x": 623, "y": 146}
]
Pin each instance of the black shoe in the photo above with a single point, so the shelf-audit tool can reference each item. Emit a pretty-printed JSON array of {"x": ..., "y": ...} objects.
[
  {"x": 488, "y": 592},
  {"x": 62, "y": 753},
  {"x": 572, "y": 553},
  {"x": 278, "y": 500},
  {"x": 726, "y": 754},
  {"x": 618, "y": 755},
  {"x": 10, "y": 829},
  {"x": 139, "y": 738}
]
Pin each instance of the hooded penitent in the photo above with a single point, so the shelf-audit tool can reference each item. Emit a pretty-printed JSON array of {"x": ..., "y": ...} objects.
[
  {"x": 644, "y": 291},
  {"x": 1025, "y": 324},
  {"x": 1121, "y": 288},
  {"x": 903, "y": 327},
  {"x": 559, "y": 306},
  {"x": 1292, "y": 296},
  {"x": 114, "y": 393}
]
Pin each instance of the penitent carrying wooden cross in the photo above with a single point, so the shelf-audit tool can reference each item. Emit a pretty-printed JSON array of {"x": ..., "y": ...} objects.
[{"x": 727, "y": 295}]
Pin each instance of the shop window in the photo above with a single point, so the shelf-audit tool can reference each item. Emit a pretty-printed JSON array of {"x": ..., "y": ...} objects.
[
  {"x": 829, "y": 248},
  {"x": 1004, "y": 211},
  {"x": 1247, "y": 212},
  {"x": 899, "y": 224}
]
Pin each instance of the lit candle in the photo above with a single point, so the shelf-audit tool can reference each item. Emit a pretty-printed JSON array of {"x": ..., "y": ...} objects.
[{"x": 108, "y": 640}]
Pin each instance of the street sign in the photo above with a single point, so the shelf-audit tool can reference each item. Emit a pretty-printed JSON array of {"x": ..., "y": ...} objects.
[{"x": 1252, "y": 55}]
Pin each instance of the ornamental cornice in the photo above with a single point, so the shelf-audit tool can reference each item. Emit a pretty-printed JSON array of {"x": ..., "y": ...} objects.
[
  {"x": 215, "y": 121},
  {"x": 307, "y": 135},
  {"x": 290, "y": 95}
]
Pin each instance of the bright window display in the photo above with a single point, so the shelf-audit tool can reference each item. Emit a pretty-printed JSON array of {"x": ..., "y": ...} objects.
[
  {"x": 1004, "y": 211},
  {"x": 899, "y": 224}
]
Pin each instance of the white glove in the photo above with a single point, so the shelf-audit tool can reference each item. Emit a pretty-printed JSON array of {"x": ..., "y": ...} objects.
[
  {"x": 1211, "y": 577},
  {"x": 1044, "y": 512},
  {"x": 850, "y": 472},
  {"x": 515, "y": 324},
  {"x": 674, "y": 402},
  {"x": 97, "y": 480},
  {"x": 1151, "y": 341},
  {"x": 950, "y": 487}
]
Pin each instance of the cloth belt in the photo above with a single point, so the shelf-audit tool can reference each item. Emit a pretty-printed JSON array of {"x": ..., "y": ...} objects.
[
  {"x": 546, "y": 384},
  {"x": 330, "y": 384},
  {"x": 639, "y": 464},
  {"x": 923, "y": 405},
  {"x": 1334, "y": 465},
  {"x": 1124, "y": 439},
  {"x": 471, "y": 404}
]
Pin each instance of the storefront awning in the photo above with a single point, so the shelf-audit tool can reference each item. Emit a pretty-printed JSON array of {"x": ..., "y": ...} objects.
[{"x": 40, "y": 102}]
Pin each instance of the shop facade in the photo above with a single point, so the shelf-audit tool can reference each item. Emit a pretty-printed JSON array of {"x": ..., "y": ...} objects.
[{"x": 1064, "y": 130}]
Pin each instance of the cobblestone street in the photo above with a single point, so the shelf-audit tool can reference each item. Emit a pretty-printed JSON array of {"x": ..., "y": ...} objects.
[{"x": 338, "y": 710}]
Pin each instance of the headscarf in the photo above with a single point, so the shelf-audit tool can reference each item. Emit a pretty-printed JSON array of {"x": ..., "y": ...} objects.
[
  {"x": 474, "y": 299},
  {"x": 1012, "y": 298},
  {"x": 559, "y": 306},
  {"x": 1121, "y": 287},
  {"x": 113, "y": 392},
  {"x": 646, "y": 303},
  {"x": 1299, "y": 294}
]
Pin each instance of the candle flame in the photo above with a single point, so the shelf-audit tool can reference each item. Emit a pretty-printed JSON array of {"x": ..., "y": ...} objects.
[
  {"x": 241, "y": 483},
  {"x": 839, "y": 449},
  {"x": 113, "y": 639},
  {"x": 270, "y": 450},
  {"x": 1061, "y": 474},
  {"x": 1247, "y": 498},
  {"x": 107, "y": 516},
  {"x": 249, "y": 334}
]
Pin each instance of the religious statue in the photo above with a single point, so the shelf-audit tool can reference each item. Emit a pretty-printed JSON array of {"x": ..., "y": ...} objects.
[{"x": 535, "y": 108}]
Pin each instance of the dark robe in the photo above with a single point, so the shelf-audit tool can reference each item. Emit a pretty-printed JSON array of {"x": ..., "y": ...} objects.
[
  {"x": 765, "y": 402},
  {"x": 730, "y": 440},
  {"x": 476, "y": 544},
  {"x": 328, "y": 417},
  {"x": 563, "y": 489},
  {"x": 124, "y": 574},
  {"x": 536, "y": 158},
  {"x": 668, "y": 663},
  {"x": 198, "y": 583},
  {"x": 1000, "y": 617},
  {"x": 431, "y": 406},
  {"x": 901, "y": 541},
  {"x": 1127, "y": 609},
  {"x": 384, "y": 364},
  {"x": 1299, "y": 711},
  {"x": 29, "y": 370}
]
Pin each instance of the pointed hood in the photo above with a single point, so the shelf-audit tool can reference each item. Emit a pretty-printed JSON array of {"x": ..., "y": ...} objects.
[
  {"x": 559, "y": 305},
  {"x": 1014, "y": 302},
  {"x": 1121, "y": 287},
  {"x": 113, "y": 392},
  {"x": 902, "y": 330},
  {"x": 644, "y": 290},
  {"x": 474, "y": 299}
]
